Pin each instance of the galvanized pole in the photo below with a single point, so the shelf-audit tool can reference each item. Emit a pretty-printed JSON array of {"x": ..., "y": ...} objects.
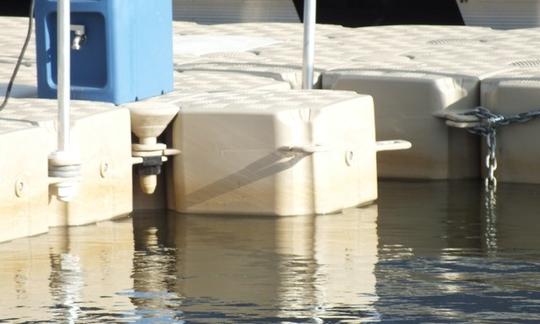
[
  {"x": 64, "y": 163},
  {"x": 63, "y": 73},
  {"x": 310, "y": 19}
]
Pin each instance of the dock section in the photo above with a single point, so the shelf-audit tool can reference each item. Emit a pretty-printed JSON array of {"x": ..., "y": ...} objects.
[
  {"x": 23, "y": 180},
  {"x": 101, "y": 136},
  {"x": 414, "y": 74}
]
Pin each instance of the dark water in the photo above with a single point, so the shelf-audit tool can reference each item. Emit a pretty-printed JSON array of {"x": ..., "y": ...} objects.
[{"x": 427, "y": 252}]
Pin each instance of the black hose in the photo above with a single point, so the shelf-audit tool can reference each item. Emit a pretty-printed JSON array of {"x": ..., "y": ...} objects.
[{"x": 21, "y": 56}]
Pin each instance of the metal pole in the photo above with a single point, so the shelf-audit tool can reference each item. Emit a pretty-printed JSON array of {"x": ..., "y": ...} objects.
[
  {"x": 63, "y": 73},
  {"x": 64, "y": 163},
  {"x": 310, "y": 19}
]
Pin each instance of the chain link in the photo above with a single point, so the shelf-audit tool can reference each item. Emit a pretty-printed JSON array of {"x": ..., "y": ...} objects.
[
  {"x": 486, "y": 123},
  {"x": 491, "y": 160},
  {"x": 486, "y": 126}
]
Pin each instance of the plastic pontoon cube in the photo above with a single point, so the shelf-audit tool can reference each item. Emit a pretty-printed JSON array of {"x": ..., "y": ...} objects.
[
  {"x": 405, "y": 103},
  {"x": 274, "y": 153},
  {"x": 121, "y": 49},
  {"x": 24, "y": 180},
  {"x": 100, "y": 136}
]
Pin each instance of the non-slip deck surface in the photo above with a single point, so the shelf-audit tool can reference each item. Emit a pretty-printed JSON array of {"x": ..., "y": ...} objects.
[
  {"x": 218, "y": 81},
  {"x": 455, "y": 64},
  {"x": 452, "y": 49},
  {"x": 39, "y": 111},
  {"x": 260, "y": 100}
]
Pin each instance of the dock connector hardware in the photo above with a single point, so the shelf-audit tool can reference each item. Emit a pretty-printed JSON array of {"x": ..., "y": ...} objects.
[{"x": 148, "y": 121}]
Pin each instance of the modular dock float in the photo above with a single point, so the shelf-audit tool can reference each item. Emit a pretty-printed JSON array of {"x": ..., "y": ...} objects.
[{"x": 247, "y": 141}]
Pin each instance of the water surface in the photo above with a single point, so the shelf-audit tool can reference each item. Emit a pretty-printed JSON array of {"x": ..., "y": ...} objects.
[{"x": 426, "y": 252}]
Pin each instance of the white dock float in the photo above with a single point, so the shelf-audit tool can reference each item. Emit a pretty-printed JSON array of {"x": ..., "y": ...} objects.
[
  {"x": 23, "y": 180},
  {"x": 251, "y": 145},
  {"x": 281, "y": 32},
  {"x": 405, "y": 102},
  {"x": 241, "y": 48},
  {"x": 196, "y": 82},
  {"x": 409, "y": 88},
  {"x": 274, "y": 153},
  {"x": 101, "y": 135},
  {"x": 252, "y": 66}
]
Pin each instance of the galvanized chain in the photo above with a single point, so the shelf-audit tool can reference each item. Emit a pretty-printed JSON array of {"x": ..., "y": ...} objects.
[
  {"x": 483, "y": 122},
  {"x": 491, "y": 160},
  {"x": 490, "y": 191},
  {"x": 486, "y": 125}
]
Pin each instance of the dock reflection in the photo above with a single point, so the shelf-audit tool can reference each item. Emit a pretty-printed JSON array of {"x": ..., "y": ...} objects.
[
  {"x": 270, "y": 268},
  {"x": 69, "y": 275},
  {"x": 515, "y": 223},
  {"x": 429, "y": 251},
  {"x": 424, "y": 218},
  {"x": 444, "y": 255},
  {"x": 434, "y": 218}
]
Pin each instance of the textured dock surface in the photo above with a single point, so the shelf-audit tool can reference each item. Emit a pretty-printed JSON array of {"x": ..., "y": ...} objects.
[
  {"x": 412, "y": 73},
  {"x": 447, "y": 66}
]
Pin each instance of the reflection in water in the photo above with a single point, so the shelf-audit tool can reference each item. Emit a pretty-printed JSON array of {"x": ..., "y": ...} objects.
[
  {"x": 154, "y": 270},
  {"x": 426, "y": 218},
  {"x": 429, "y": 251},
  {"x": 490, "y": 220},
  {"x": 66, "y": 281},
  {"x": 247, "y": 268},
  {"x": 68, "y": 275},
  {"x": 446, "y": 256}
]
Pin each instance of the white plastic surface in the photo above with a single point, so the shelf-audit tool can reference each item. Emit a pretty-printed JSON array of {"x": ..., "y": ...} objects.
[
  {"x": 208, "y": 44},
  {"x": 101, "y": 136},
  {"x": 266, "y": 152}
]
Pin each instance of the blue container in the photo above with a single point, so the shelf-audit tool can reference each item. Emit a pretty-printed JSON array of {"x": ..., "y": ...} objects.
[{"x": 127, "y": 55}]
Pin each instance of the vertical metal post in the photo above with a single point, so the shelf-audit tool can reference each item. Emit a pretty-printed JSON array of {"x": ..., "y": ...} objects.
[
  {"x": 310, "y": 19},
  {"x": 64, "y": 163},
  {"x": 63, "y": 73}
]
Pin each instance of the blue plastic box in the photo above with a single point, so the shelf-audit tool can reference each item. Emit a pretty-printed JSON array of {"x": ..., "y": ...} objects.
[{"x": 127, "y": 55}]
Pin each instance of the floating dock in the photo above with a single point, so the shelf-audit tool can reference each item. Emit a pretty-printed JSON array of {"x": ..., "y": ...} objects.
[{"x": 251, "y": 142}]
